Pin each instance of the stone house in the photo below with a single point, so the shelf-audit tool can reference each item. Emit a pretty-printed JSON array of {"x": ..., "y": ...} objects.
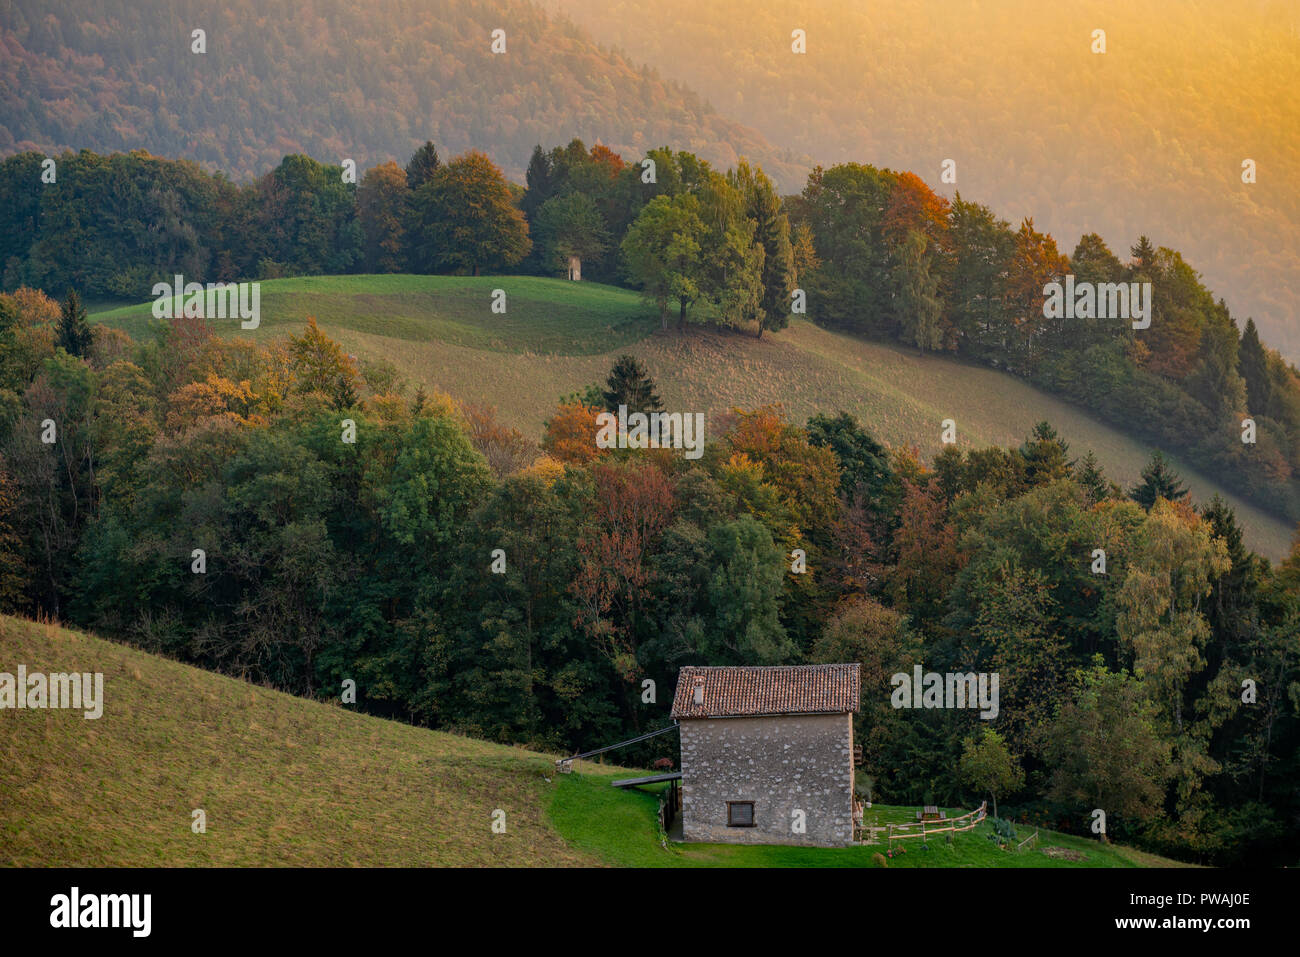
[{"x": 767, "y": 754}]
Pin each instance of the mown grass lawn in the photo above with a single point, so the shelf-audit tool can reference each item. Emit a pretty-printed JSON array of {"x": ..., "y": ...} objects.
[{"x": 620, "y": 827}]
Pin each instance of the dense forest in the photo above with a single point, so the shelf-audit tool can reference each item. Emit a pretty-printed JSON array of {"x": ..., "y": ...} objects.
[
  {"x": 1148, "y": 137},
  {"x": 337, "y": 79},
  {"x": 279, "y": 512},
  {"x": 287, "y": 512},
  {"x": 871, "y": 250}
]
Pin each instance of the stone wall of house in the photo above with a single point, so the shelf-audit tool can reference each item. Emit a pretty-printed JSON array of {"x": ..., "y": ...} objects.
[{"x": 783, "y": 763}]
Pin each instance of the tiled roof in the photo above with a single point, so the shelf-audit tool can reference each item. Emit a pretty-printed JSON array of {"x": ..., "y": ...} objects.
[{"x": 786, "y": 689}]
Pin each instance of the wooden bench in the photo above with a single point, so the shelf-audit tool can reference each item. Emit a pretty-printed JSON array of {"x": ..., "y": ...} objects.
[{"x": 931, "y": 813}]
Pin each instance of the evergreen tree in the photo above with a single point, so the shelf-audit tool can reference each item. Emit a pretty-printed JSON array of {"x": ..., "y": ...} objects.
[
  {"x": 1158, "y": 481},
  {"x": 345, "y": 393},
  {"x": 1090, "y": 476},
  {"x": 1144, "y": 255},
  {"x": 1252, "y": 363},
  {"x": 1232, "y": 609},
  {"x": 423, "y": 165},
  {"x": 420, "y": 401},
  {"x": 74, "y": 332},
  {"x": 772, "y": 232},
  {"x": 1044, "y": 453},
  {"x": 919, "y": 305},
  {"x": 630, "y": 384},
  {"x": 540, "y": 179}
]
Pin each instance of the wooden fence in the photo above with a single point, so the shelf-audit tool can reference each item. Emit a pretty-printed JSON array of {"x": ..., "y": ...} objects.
[{"x": 869, "y": 833}]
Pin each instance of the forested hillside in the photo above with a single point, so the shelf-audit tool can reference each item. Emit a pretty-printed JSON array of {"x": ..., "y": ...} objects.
[
  {"x": 1147, "y": 138},
  {"x": 872, "y": 251},
  {"x": 275, "y": 510},
  {"x": 336, "y": 78}
]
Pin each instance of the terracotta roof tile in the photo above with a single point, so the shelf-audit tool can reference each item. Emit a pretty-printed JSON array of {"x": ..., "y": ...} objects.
[{"x": 786, "y": 689}]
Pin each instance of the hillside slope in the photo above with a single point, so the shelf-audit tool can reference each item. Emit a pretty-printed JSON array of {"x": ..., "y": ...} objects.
[
  {"x": 283, "y": 780},
  {"x": 558, "y": 337},
  {"x": 335, "y": 78}
]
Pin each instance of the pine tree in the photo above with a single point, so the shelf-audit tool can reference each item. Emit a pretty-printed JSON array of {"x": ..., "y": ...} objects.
[
  {"x": 1233, "y": 607},
  {"x": 1044, "y": 453},
  {"x": 422, "y": 166},
  {"x": 1144, "y": 255},
  {"x": 420, "y": 401},
  {"x": 74, "y": 332},
  {"x": 919, "y": 305},
  {"x": 772, "y": 232},
  {"x": 1092, "y": 479},
  {"x": 345, "y": 393},
  {"x": 629, "y": 384},
  {"x": 1158, "y": 481},
  {"x": 1252, "y": 363},
  {"x": 540, "y": 179}
]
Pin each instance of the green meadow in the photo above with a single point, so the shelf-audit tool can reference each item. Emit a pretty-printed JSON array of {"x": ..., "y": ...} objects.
[{"x": 557, "y": 337}]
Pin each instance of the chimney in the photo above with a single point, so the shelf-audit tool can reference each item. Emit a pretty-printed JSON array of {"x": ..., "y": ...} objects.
[{"x": 699, "y": 690}]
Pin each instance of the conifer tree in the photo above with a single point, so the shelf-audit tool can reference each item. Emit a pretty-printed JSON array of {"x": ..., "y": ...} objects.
[
  {"x": 630, "y": 384},
  {"x": 1158, "y": 481},
  {"x": 74, "y": 332},
  {"x": 423, "y": 165}
]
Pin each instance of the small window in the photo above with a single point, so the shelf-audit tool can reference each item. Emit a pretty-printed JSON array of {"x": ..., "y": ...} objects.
[{"x": 740, "y": 814}]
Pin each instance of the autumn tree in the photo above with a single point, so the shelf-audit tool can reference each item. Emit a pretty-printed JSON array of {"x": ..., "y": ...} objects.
[
  {"x": 1035, "y": 262},
  {"x": 507, "y": 450},
  {"x": 571, "y": 433},
  {"x": 633, "y": 505},
  {"x": 321, "y": 366},
  {"x": 382, "y": 207},
  {"x": 465, "y": 219}
]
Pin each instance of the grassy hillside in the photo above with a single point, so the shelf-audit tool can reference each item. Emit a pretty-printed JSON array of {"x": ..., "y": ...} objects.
[
  {"x": 287, "y": 781},
  {"x": 284, "y": 781},
  {"x": 557, "y": 337}
]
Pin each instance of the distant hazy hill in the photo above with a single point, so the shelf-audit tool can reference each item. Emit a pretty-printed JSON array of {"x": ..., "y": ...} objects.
[
  {"x": 365, "y": 79},
  {"x": 1146, "y": 138}
]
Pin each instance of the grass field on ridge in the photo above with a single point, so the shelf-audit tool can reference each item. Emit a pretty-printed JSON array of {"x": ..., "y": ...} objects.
[{"x": 557, "y": 337}]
